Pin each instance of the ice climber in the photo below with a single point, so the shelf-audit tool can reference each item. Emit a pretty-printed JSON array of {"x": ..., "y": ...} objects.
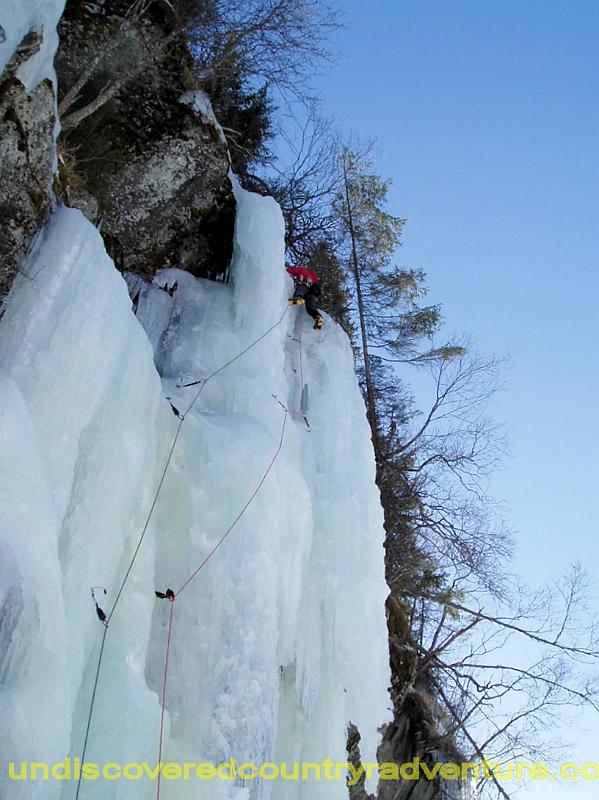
[{"x": 307, "y": 290}]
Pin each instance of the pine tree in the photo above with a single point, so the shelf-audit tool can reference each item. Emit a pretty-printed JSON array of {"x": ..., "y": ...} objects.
[
  {"x": 335, "y": 297},
  {"x": 393, "y": 326},
  {"x": 244, "y": 112}
]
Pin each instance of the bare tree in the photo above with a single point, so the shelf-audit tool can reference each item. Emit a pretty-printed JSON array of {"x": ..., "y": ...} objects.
[
  {"x": 304, "y": 181},
  {"x": 504, "y": 676},
  {"x": 280, "y": 42},
  {"x": 242, "y": 52},
  {"x": 71, "y": 108},
  {"x": 445, "y": 457}
]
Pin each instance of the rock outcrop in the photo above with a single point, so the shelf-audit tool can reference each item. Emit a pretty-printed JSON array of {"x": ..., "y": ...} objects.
[
  {"x": 157, "y": 167},
  {"x": 140, "y": 152},
  {"x": 27, "y": 122}
]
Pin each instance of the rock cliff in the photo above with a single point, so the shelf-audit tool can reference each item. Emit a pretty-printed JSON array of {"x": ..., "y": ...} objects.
[{"x": 139, "y": 151}]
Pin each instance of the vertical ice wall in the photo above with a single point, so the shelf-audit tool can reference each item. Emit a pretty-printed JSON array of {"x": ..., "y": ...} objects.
[
  {"x": 83, "y": 430},
  {"x": 280, "y": 640}
]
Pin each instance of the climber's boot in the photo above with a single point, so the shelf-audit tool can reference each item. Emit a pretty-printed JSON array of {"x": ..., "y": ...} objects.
[{"x": 319, "y": 323}]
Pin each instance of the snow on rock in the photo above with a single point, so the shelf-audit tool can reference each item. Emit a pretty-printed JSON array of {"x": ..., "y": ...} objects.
[
  {"x": 200, "y": 102},
  {"x": 280, "y": 641},
  {"x": 28, "y": 125},
  {"x": 17, "y": 19}
]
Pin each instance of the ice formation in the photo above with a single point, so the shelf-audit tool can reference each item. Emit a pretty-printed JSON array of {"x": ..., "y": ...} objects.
[
  {"x": 19, "y": 17},
  {"x": 280, "y": 641}
]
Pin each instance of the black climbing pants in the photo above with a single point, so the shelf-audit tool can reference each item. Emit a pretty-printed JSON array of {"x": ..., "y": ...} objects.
[{"x": 304, "y": 291}]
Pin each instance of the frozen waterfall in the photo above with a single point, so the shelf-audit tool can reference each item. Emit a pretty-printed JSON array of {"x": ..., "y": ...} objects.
[{"x": 280, "y": 641}]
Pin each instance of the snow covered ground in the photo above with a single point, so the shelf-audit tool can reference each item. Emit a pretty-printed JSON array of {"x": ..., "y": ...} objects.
[{"x": 280, "y": 640}]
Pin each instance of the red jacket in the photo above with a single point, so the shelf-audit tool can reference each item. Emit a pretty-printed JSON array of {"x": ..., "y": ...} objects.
[{"x": 299, "y": 273}]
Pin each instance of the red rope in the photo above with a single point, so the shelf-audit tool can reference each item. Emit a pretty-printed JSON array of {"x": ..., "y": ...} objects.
[
  {"x": 168, "y": 648},
  {"x": 182, "y": 417},
  {"x": 241, "y": 513},
  {"x": 189, "y": 580}
]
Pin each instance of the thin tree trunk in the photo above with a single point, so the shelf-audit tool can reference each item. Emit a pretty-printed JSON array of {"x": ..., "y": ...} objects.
[
  {"x": 111, "y": 47},
  {"x": 370, "y": 403},
  {"x": 72, "y": 120}
]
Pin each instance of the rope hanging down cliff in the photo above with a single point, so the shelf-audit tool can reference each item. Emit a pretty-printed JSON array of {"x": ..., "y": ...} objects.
[
  {"x": 171, "y": 595},
  {"x": 105, "y": 618}
]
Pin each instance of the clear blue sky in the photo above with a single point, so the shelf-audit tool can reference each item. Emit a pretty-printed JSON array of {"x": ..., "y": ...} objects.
[{"x": 486, "y": 114}]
